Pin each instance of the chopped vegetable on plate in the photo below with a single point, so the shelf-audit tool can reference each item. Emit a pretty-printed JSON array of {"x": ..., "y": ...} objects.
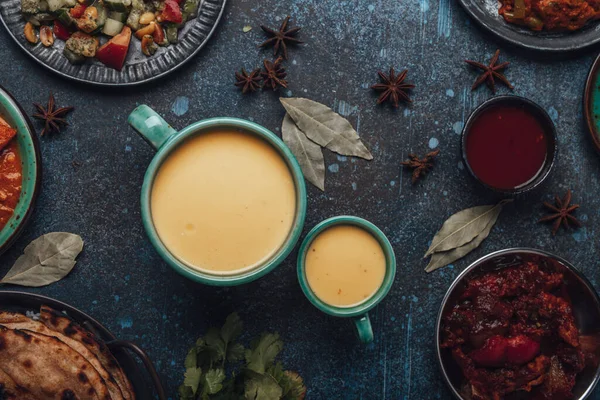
[{"x": 102, "y": 29}]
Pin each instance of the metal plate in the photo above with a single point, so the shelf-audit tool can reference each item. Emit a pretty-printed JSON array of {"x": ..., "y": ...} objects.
[
  {"x": 591, "y": 103},
  {"x": 138, "y": 68},
  {"x": 22, "y": 302},
  {"x": 485, "y": 13}
]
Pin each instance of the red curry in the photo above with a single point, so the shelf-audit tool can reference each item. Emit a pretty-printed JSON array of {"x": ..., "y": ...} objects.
[
  {"x": 513, "y": 330},
  {"x": 550, "y": 14},
  {"x": 10, "y": 172}
]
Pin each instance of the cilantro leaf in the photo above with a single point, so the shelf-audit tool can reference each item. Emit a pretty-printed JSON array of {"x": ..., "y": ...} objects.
[
  {"x": 185, "y": 393},
  {"x": 213, "y": 381},
  {"x": 235, "y": 352},
  {"x": 215, "y": 344},
  {"x": 263, "y": 352},
  {"x": 232, "y": 328},
  {"x": 192, "y": 378},
  {"x": 191, "y": 360},
  {"x": 262, "y": 387}
]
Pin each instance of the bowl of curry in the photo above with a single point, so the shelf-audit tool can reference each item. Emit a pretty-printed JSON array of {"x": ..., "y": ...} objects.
[
  {"x": 549, "y": 26},
  {"x": 20, "y": 169},
  {"x": 520, "y": 324}
]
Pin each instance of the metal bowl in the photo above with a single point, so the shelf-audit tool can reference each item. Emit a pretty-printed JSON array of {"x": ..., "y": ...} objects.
[{"x": 585, "y": 300}]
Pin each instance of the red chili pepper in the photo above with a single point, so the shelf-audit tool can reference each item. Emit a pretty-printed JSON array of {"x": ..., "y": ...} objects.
[
  {"x": 77, "y": 11},
  {"x": 172, "y": 12},
  {"x": 60, "y": 31}
]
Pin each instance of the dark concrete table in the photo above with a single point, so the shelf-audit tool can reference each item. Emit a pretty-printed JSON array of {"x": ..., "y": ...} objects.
[{"x": 121, "y": 280}]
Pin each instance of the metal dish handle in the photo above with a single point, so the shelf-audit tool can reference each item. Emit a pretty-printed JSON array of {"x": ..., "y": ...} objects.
[{"x": 147, "y": 363}]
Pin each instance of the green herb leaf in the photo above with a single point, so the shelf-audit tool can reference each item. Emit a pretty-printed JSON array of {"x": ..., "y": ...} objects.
[
  {"x": 192, "y": 379},
  {"x": 462, "y": 227},
  {"x": 262, "y": 387},
  {"x": 213, "y": 381},
  {"x": 441, "y": 259},
  {"x": 232, "y": 328},
  {"x": 215, "y": 343},
  {"x": 46, "y": 260},
  {"x": 325, "y": 127},
  {"x": 185, "y": 393},
  {"x": 191, "y": 360},
  {"x": 262, "y": 353},
  {"x": 307, "y": 152},
  {"x": 235, "y": 352}
]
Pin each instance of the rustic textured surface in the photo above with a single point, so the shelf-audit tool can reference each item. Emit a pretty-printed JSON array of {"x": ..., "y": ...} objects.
[{"x": 122, "y": 281}]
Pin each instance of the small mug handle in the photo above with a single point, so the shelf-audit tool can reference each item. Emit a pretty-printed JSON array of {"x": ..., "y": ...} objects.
[
  {"x": 151, "y": 126},
  {"x": 364, "y": 329}
]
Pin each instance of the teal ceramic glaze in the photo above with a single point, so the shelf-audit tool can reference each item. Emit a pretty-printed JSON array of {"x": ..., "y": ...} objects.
[
  {"x": 591, "y": 103},
  {"x": 31, "y": 163},
  {"x": 359, "y": 312},
  {"x": 159, "y": 134}
]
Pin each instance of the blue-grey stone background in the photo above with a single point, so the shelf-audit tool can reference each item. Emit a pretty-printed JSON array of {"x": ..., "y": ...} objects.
[{"x": 122, "y": 281}]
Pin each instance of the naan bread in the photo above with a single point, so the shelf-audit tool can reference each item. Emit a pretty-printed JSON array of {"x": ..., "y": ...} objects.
[
  {"x": 48, "y": 368},
  {"x": 9, "y": 390},
  {"x": 21, "y": 322},
  {"x": 59, "y": 322}
]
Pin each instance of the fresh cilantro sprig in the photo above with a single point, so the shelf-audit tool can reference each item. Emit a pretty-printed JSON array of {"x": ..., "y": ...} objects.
[{"x": 253, "y": 372}]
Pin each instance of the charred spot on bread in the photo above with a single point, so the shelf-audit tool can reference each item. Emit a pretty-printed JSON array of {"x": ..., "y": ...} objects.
[
  {"x": 82, "y": 377},
  {"x": 68, "y": 394}
]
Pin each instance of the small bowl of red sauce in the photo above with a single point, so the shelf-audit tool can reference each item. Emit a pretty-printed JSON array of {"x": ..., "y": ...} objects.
[
  {"x": 520, "y": 324},
  {"x": 509, "y": 144}
]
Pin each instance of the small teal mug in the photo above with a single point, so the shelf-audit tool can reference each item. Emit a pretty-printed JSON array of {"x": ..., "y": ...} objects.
[
  {"x": 160, "y": 135},
  {"x": 359, "y": 313}
]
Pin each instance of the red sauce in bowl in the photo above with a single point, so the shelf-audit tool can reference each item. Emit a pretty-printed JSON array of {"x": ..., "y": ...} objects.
[
  {"x": 11, "y": 175},
  {"x": 506, "y": 146}
]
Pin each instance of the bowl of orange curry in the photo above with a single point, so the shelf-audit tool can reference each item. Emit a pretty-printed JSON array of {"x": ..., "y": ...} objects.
[{"x": 20, "y": 169}]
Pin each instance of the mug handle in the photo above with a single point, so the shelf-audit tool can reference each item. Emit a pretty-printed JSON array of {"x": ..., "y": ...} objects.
[
  {"x": 364, "y": 329},
  {"x": 151, "y": 126}
]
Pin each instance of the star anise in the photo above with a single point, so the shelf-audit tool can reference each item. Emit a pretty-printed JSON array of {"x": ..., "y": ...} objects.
[
  {"x": 274, "y": 74},
  {"x": 490, "y": 73},
  {"x": 282, "y": 38},
  {"x": 561, "y": 213},
  {"x": 420, "y": 166},
  {"x": 54, "y": 119},
  {"x": 249, "y": 82},
  {"x": 393, "y": 86}
]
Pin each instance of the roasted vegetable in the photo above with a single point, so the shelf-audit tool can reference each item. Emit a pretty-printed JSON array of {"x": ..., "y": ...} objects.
[
  {"x": 30, "y": 6},
  {"x": 82, "y": 44},
  {"x": 113, "y": 53},
  {"x": 148, "y": 45},
  {"x": 60, "y": 31},
  {"x": 172, "y": 12}
]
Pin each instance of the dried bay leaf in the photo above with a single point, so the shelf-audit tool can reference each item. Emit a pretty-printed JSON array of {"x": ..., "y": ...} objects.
[
  {"x": 462, "y": 227},
  {"x": 325, "y": 127},
  {"x": 442, "y": 258},
  {"x": 307, "y": 152},
  {"x": 45, "y": 260}
]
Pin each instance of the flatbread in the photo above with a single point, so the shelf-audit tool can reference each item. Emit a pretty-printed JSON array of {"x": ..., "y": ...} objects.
[
  {"x": 48, "y": 368},
  {"x": 9, "y": 390},
  {"x": 59, "y": 322},
  {"x": 21, "y": 322}
]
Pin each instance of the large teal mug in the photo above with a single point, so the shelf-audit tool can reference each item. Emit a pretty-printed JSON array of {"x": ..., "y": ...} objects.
[
  {"x": 358, "y": 313},
  {"x": 160, "y": 135}
]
